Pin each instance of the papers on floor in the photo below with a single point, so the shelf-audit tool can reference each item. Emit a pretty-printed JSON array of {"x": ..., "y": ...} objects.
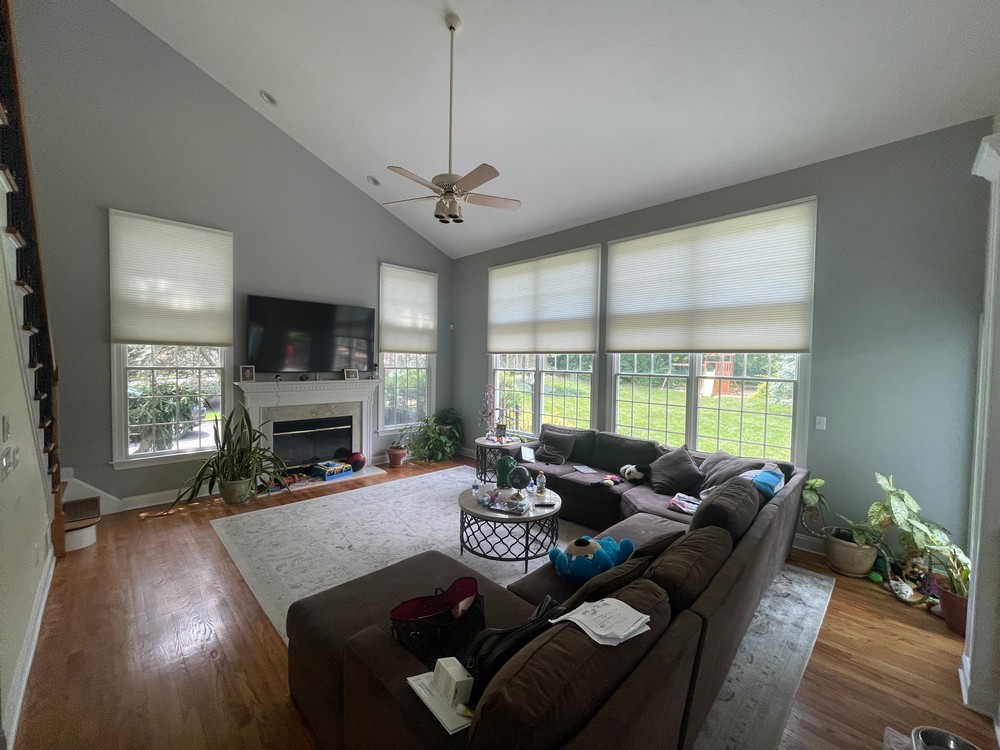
[
  {"x": 608, "y": 621},
  {"x": 450, "y": 719}
]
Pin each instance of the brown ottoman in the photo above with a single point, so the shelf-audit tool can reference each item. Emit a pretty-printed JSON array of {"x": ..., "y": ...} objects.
[{"x": 318, "y": 626}]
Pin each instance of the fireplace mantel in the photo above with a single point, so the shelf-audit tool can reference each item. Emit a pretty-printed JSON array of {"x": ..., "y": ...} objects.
[{"x": 259, "y": 396}]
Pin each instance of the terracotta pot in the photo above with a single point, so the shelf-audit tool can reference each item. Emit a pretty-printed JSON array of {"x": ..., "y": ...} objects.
[
  {"x": 239, "y": 492},
  {"x": 847, "y": 557},
  {"x": 396, "y": 457},
  {"x": 954, "y": 608}
]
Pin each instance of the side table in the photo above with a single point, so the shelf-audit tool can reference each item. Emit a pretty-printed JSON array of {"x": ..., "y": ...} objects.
[{"x": 487, "y": 453}]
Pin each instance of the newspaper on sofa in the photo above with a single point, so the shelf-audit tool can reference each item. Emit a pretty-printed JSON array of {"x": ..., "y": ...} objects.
[{"x": 608, "y": 621}]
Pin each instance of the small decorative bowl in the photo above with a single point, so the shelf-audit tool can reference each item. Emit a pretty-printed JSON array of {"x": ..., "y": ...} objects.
[{"x": 932, "y": 738}]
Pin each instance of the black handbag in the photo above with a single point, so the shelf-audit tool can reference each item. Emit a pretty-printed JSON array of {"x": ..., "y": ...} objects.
[
  {"x": 494, "y": 647},
  {"x": 442, "y": 624}
]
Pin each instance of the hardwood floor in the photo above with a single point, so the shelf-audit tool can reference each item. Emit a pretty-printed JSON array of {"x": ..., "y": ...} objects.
[{"x": 151, "y": 639}]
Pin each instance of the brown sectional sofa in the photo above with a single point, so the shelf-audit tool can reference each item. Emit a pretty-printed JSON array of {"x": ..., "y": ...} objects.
[{"x": 348, "y": 675}]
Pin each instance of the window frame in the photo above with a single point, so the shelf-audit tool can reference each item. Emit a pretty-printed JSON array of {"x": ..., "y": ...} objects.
[
  {"x": 800, "y": 404},
  {"x": 537, "y": 392},
  {"x": 395, "y": 429},
  {"x": 121, "y": 459}
]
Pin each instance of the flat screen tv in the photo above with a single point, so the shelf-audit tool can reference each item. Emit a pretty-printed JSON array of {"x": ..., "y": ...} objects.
[{"x": 286, "y": 335}]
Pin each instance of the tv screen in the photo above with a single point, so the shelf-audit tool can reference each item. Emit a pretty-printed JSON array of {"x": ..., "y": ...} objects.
[{"x": 286, "y": 335}]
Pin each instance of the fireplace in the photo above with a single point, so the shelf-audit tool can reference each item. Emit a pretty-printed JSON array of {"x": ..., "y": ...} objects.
[
  {"x": 303, "y": 442},
  {"x": 276, "y": 402}
]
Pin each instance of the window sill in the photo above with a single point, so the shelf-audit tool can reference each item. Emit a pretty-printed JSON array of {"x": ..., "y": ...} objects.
[{"x": 169, "y": 458}]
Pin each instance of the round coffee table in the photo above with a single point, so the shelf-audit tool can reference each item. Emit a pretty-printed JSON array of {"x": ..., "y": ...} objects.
[{"x": 501, "y": 536}]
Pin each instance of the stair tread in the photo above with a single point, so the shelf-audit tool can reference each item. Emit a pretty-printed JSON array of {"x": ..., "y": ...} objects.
[
  {"x": 83, "y": 523},
  {"x": 81, "y": 510}
]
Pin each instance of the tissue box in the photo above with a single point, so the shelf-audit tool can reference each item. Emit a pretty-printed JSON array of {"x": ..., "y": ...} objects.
[{"x": 452, "y": 681}]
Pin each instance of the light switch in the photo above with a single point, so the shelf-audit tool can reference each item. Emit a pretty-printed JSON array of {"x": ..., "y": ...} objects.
[{"x": 820, "y": 423}]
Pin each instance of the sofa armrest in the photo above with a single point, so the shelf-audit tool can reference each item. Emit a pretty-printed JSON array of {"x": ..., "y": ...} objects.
[
  {"x": 514, "y": 449},
  {"x": 380, "y": 707}
]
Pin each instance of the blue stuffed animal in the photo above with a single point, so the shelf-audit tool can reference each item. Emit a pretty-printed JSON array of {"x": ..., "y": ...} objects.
[{"x": 585, "y": 558}]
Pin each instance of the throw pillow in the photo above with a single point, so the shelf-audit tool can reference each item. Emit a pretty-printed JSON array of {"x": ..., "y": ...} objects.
[
  {"x": 732, "y": 506},
  {"x": 675, "y": 472},
  {"x": 555, "y": 447},
  {"x": 722, "y": 466},
  {"x": 608, "y": 582},
  {"x": 686, "y": 568}
]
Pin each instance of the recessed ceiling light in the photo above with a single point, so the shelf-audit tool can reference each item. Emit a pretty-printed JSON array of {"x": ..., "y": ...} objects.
[
  {"x": 373, "y": 180},
  {"x": 268, "y": 98}
]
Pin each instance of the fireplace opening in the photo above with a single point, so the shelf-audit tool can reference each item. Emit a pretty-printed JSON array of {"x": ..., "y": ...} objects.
[{"x": 303, "y": 442}]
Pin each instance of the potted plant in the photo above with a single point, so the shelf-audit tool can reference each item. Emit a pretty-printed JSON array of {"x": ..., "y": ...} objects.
[
  {"x": 435, "y": 437},
  {"x": 397, "y": 452},
  {"x": 925, "y": 539},
  {"x": 239, "y": 460},
  {"x": 850, "y": 548}
]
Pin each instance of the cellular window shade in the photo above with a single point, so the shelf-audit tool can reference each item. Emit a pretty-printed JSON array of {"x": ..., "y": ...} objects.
[
  {"x": 739, "y": 284},
  {"x": 408, "y": 310},
  {"x": 546, "y": 305},
  {"x": 171, "y": 283}
]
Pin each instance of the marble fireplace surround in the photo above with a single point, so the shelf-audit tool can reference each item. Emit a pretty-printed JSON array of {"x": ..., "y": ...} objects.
[{"x": 311, "y": 399}]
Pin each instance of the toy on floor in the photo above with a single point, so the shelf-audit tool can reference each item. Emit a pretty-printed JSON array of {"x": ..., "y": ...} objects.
[{"x": 585, "y": 558}]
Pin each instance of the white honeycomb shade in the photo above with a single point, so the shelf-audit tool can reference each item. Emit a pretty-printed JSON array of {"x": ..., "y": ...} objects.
[
  {"x": 408, "y": 310},
  {"x": 171, "y": 283},
  {"x": 546, "y": 306},
  {"x": 742, "y": 284}
]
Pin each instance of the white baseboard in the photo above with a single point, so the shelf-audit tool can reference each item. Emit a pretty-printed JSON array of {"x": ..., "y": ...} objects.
[
  {"x": 808, "y": 543},
  {"x": 20, "y": 677},
  {"x": 77, "y": 489}
]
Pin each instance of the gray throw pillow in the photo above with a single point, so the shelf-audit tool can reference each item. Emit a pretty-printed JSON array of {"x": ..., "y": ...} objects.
[
  {"x": 721, "y": 467},
  {"x": 555, "y": 448},
  {"x": 675, "y": 472},
  {"x": 732, "y": 506}
]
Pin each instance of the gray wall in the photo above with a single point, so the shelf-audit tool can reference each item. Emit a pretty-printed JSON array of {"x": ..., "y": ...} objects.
[
  {"x": 117, "y": 119},
  {"x": 900, "y": 255}
]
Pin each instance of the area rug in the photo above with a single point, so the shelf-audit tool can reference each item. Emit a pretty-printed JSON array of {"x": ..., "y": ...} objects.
[
  {"x": 754, "y": 702},
  {"x": 295, "y": 550}
]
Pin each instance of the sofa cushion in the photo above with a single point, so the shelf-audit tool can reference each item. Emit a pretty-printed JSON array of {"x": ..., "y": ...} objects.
[
  {"x": 613, "y": 451},
  {"x": 656, "y": 546},
  {"x": 555, "y": 447},
  {"x": 548, "y": 691},
  {"x": 721, "y": 466},
  {"x": 608, "y": 582},
  {"x": 686, "y": 568},
  {"x": 583, "y": 448},
  {"x": 675, "y": 472},
  {"x": 644, "y": 500},
  {"x": 732, "y": 505}
]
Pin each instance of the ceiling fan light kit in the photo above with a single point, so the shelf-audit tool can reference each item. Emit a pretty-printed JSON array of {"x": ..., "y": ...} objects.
[{"x": 451, "y": 190}]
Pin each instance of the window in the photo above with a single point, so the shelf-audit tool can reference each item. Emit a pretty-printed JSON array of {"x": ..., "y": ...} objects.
[
  {"x": 172, "y": 336},
  {"x": 406, "y": 388},
  {"x": 536, "y": 388},
  {"x": 174, "y": 395},
  {"x": 408, "y": 320},
  {"x": 743, "y": 404}
]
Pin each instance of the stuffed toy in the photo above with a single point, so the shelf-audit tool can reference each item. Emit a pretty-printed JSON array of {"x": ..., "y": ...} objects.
[
  {"x": 635, "y": 472},
  {"x": 585, "y": 558},
  {"x": 611, "y": 480}
]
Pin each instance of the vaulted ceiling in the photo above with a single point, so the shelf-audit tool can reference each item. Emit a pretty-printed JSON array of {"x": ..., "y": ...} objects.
[{"x": 588, "y": 108}]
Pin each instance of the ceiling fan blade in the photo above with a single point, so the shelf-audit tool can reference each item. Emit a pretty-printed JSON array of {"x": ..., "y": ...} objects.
[
  {"x": 410, "y": 200},
  {"x": 410, "y": 176},
  {"x": 478, "y": 176},
  {"x": 493, "y": 201}
]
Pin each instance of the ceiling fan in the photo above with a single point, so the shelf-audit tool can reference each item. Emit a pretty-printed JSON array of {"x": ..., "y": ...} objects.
[{"x": 451, "y": 190}]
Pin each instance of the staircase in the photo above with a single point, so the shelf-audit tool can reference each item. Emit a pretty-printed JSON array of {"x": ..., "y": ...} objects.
[{"x": 23, "y": 261}]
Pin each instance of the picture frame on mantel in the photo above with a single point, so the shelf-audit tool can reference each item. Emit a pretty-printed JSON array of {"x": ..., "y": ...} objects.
[
  {"x": 350, "y": 374},
  {"x": 247, "y": 374}
]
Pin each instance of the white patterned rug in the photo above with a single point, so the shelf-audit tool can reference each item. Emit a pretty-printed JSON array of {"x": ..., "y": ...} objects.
[{"x": 295, "y": 550}]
